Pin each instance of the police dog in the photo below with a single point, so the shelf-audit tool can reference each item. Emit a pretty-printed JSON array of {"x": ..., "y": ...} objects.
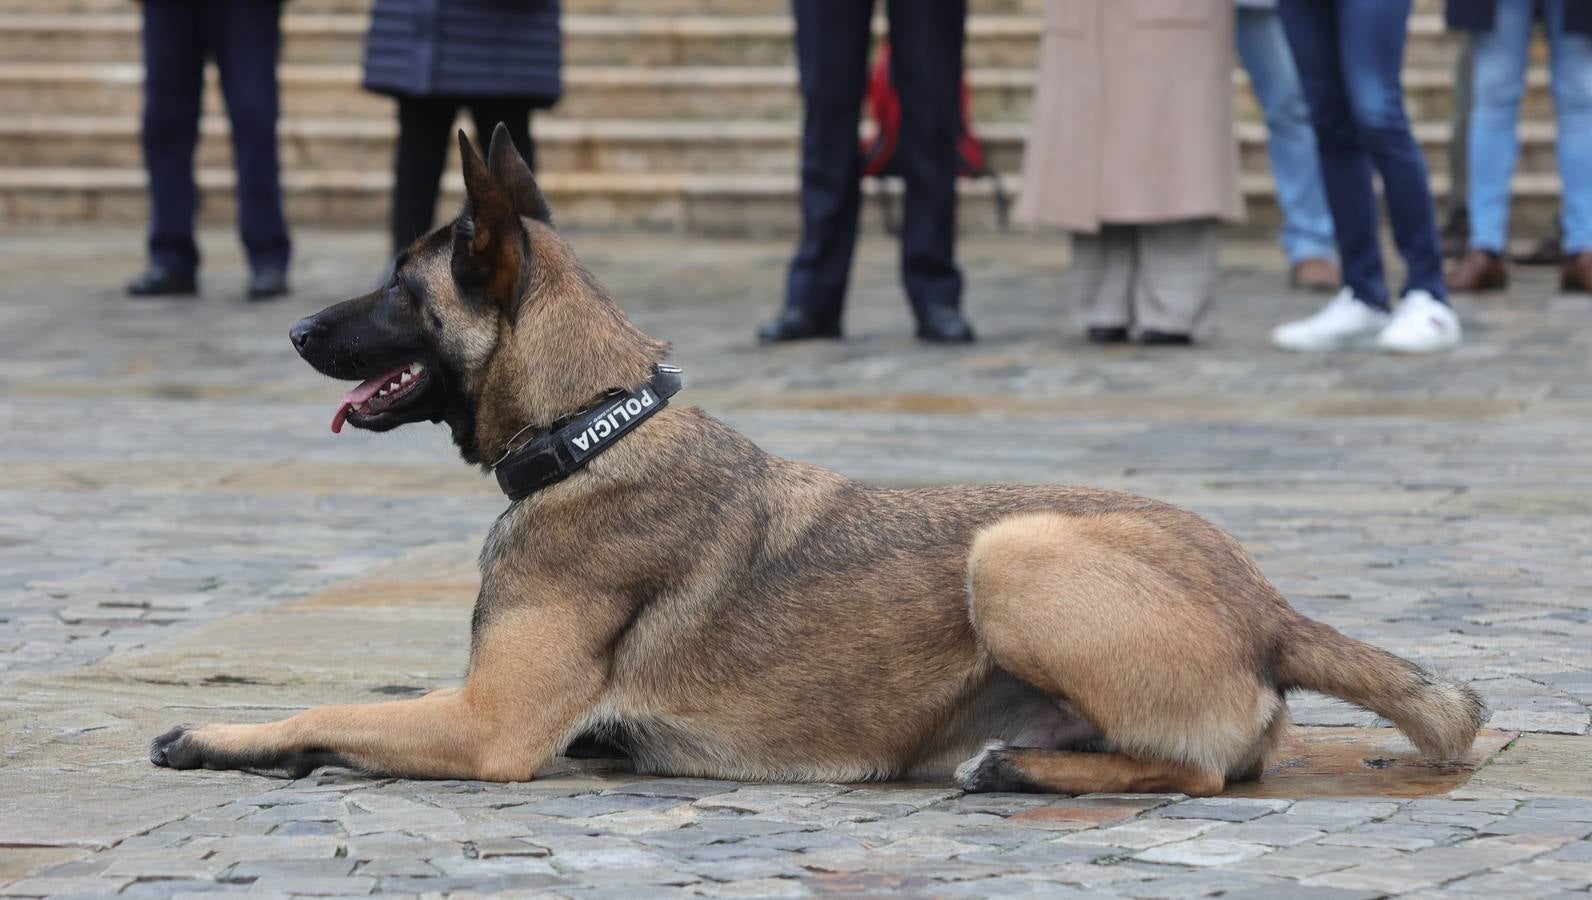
[{"x": 718, "y": 612}]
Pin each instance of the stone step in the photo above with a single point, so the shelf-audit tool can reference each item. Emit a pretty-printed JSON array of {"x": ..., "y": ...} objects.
[
  {"x": 594, "y": 40},
  {"x": 602, "y": 7},
  {"x": 746, "y": 205},
  {"x": 588, "y": 40},
  {"x": 592, "y": 7},
  {"x": 634, "y": 146},
  {"x": 613, "y": 92}
]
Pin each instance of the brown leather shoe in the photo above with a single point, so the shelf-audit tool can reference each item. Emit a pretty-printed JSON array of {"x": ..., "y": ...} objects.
[
  {"x": 1576, "y": 275},
  {"x": 1479, "y": 270},
  {"x": 1315, "y": 275}
]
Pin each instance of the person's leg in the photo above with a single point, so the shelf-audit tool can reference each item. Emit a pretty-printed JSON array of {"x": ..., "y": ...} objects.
[
  {"x": 514, "y": 112},
  {"x": 1371, "y": 36},
  {"x": 173, "y": 86},
  {"x": 1572, "y": 101},
  {"x": 425, "y": 126},
  {"x": 1290, "y": 142},
  {"x": 1312, "y": 30},
  {"x": 832, "y": 42},
  {"x": 926, "y": 38},
  {"x": 244, "y": 36},
  {"x": 1100, "y": 277},
  {"x": 1497, "y": 83},
  {"x": 1177, "y": 271},
  {"x": 1456, "y": 212}
]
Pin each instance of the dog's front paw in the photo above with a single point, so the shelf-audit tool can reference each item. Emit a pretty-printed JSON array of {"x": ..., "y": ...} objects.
[
  {"x": 989, "y": 771},
  {"x": 246, "y": 748},
  {"x": 177, "y": 749}
]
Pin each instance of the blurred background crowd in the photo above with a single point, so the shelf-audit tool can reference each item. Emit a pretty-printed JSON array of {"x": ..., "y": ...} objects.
[{"x": 1142, "y": 131}]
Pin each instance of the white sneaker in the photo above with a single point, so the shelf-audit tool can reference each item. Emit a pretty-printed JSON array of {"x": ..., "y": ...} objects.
[
  {"x": 1421, "y": 324},
  {"x": 1344, "y": 322}
]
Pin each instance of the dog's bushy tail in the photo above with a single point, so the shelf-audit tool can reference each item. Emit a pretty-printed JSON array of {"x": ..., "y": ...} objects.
[{"x": 1439, "y": 716}]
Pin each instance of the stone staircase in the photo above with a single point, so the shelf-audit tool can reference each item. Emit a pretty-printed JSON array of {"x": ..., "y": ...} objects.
[{"x": 678, "y": 114}]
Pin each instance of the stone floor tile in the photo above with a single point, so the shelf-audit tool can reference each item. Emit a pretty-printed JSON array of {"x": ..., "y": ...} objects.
[
  {"x": 1300, "y": 892},
  {"x": 1313, "y": 859},
  {"x": 354, "y": 885},
  {"x": 1271, "y": 831},
  {"x": 1223, "y": 808},
  {"x": 1397, "y": 837},
  {"x": 1143, "y": 834},
  {"x": 82, "y": 885},
  {"x": 1203, "y": 852}
]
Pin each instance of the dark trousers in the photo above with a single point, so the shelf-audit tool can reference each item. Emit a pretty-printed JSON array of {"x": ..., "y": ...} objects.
[
  {"x": 1349, "y": 53},
  {"x": 425, "y": 131},
  {"x": 243, "y": 37},
  {"x": 832, "y": 44}
]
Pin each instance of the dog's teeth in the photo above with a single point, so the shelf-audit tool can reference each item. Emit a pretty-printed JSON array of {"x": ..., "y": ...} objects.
[
  {"x": 358, "y": 407},
  {"x": 415, "y": 367},
  {"x": 406, "y": 378}
]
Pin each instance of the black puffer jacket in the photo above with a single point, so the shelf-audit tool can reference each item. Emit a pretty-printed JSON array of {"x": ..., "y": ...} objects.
[{"x": 465, "y": 48}]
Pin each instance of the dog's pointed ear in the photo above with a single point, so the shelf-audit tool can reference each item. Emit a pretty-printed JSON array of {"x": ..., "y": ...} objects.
[
  {"x": 490, "y": 248},
  {"x": 515, "y": 176}
]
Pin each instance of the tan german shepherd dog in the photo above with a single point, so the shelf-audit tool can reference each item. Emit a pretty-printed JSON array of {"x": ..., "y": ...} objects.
[{"x": 715, "y": 611}]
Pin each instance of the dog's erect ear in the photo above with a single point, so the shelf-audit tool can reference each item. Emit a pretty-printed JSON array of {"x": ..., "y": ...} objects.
[
  {"x": 515, "y": 176},
  {"x": 490, "y": 248}
]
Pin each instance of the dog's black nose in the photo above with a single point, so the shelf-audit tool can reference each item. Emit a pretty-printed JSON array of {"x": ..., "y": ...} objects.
[{"x": 301, "y": 332}]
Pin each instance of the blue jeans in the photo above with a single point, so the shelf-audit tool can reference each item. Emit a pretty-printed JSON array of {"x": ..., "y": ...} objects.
[
  {"x": 1290, "y": 142},
  {"x": 1349, "y": 53},
  {"x": 1499, "y": 81}
]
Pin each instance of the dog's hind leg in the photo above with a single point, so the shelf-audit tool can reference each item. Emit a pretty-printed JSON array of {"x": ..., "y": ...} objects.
[
  {"x": 1110, "y": 612},
  {"x": 1251, "y": 768},
  {"x": 999, "y": 768},
  {"x": 530, "y": 680}
]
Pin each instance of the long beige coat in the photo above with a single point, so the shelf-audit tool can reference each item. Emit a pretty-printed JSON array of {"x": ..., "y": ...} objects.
[{"x": 1133, "y": 115}]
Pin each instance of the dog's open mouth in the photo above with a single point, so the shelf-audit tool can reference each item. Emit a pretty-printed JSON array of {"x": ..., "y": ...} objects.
[{"x": 376, "y": 396}]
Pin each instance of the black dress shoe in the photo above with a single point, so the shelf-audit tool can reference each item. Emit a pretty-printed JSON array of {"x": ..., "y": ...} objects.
[
  {"x": 944, "y": 325},
  {"x": 158, "y": 282},
  {"x": 1107, "y": 335},
  {"x": 1165, "y": 339},
  {"x": 795, "y": 325},
  {"x": 267, "y": 283}
]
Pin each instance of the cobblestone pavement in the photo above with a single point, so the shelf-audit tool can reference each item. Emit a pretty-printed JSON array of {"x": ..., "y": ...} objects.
[{"x": 180, "y": 538}]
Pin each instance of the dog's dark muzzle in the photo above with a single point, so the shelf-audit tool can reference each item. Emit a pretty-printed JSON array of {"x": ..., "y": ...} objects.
[
  {"x": 302, "y": 331},
  {"x": 372, "y": 340},
  {"x": 358, "y": 338}
]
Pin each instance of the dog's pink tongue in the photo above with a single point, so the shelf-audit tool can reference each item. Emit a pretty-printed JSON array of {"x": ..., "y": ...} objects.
[{"x": 366, "y": 390}]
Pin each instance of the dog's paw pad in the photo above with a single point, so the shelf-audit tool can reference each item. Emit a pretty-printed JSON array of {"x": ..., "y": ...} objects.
[{"x": 988, "y": 771}]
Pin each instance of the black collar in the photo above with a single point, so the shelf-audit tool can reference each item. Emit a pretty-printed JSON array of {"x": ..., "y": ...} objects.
[{"x": 554, "y": 455}]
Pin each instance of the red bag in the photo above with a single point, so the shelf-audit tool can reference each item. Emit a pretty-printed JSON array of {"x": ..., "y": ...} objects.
[{"x": 878, "y": 149}]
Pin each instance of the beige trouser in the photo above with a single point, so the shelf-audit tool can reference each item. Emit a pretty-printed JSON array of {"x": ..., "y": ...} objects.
[{"x": 1157, "y": 277}]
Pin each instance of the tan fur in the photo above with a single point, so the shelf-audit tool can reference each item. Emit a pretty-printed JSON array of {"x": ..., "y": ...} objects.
[
  {"x": 569, "y": 346},
  {"x": 1112, "y": 773},
  {"x": 504, "y": 722},
  {"x": 720, "y": 612},
  {"x": 1098, "y": 610},
  {"x": 1440, "y": 717}
]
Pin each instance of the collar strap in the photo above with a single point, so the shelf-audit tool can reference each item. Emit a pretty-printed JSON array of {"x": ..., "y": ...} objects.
[{"x": 555, "y": 455}]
